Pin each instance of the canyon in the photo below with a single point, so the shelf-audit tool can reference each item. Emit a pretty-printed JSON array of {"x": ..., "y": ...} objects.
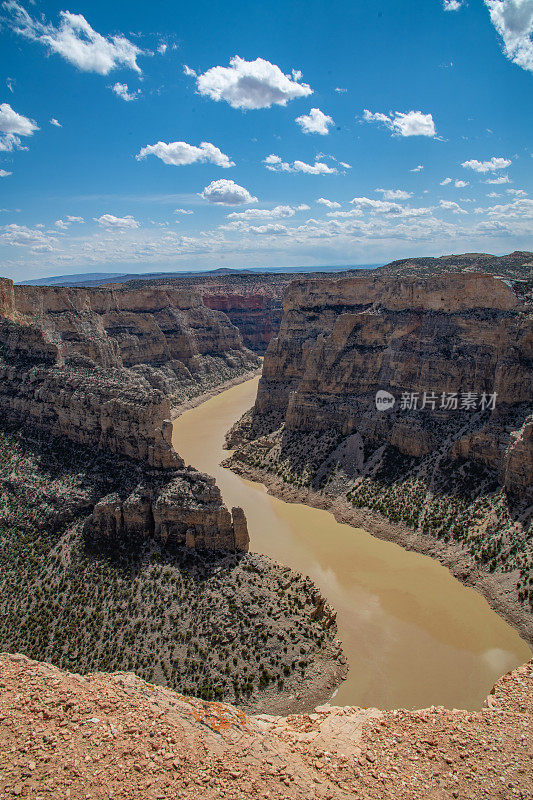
[{"x": 117, "y": 556}]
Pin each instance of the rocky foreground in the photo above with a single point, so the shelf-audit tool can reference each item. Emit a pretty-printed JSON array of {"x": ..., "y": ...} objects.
[{"x": 115, "y": 736}]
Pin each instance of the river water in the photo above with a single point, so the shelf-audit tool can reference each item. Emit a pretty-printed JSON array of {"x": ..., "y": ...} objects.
[{"x": 413, "y": 635}]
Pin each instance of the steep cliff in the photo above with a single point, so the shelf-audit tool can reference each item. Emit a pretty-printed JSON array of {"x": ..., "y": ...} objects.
[
  {"x": 450, "y": 455},
  {"x": 102, "y": 368},
  {"x": 256, "y": 315}
]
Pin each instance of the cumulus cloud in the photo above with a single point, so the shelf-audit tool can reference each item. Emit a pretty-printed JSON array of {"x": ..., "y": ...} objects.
[
  {"x": 275, "y": 164},
  {"x": 263, "y": 213},
  {"x": 180, "y": 154},
  {"x": 492, "y": 165},
  {"x": 328, "y": 203},
  {"x": 395, "y": 194},
  {"x": 22, "y": 236},
  {"x": 461, "y": 184},
  {"x": 182, "y": 211},
  {"x": 117, "y": 223},
  {"x": 445, "y": 181},
  {"x": 419, "y": 168},
  {"x": 65, "y": 224},
  {"x": 55, "y": 122},
  {"x": 499, "y": 179},
  {"x": 513, "y": 19},
  {"x": 518, "y": 208},
  {"x": 13, "y": 123},
  {"x": 121, "y": 90},
  {"x": 449, "y": 205},
  {"x": 376, "y": 206},
  {"x": 76, "y": 41},
  {"x": 452, "y": 5},
  {"x": 12, "y": 127},
  {"x": 250, "y": 84},
  {"x": 227, "y": 193},
  {"x": 4, "y": 173},
  {"x": 315, "y": 122},
  {"x": 411, "y": 123}
]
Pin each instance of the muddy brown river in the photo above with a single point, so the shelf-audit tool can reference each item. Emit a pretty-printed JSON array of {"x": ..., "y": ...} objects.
[{"x": 413, "y": 635}]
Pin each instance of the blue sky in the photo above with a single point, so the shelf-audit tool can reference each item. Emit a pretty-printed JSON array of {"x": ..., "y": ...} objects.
[{"x": 166, "y": 137}]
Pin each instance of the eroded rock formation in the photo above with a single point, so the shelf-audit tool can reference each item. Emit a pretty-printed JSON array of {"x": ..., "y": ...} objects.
[
  {"x": 102, "y": 368},
  {"x": 458, "y": 472}
]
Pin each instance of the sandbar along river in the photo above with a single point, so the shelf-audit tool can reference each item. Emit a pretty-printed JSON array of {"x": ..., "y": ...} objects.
[{"x": 413, "y": 635}]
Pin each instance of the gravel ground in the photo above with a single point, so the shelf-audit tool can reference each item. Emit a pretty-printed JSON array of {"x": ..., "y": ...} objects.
[{"x": 115, "y": 736}]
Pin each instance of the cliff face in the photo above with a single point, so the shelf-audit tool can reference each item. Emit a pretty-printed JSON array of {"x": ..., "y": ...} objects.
[
  {"x": 342, "y": 341},
  {"x": 102, "y": 368},
  {"x": 440, "y": 459},
  {"x": 256, "y": 315},
  {"x": 167, "y": 335}
]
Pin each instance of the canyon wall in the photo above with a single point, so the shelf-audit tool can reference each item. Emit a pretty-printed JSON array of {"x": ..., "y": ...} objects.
[
  {"x": 341, "y": 341},
  {"x": 102, "y": 368},
  {"x": 256, "y": 315},
  {"x": 449, "y": 458}
]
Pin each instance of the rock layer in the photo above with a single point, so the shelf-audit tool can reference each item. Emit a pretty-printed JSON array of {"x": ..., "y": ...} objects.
[
  {"x": 102, "y": 368},
  {"x": 463, "y": 475}
]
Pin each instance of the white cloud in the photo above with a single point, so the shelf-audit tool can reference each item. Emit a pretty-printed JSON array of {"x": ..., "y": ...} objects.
[
  {"x": 518, "y": 208},
  {"x": 263, "y": 213},
  {"x": 119, "y": 223},
  {"x": 339, "y": 90},
  {"x": 22, "y": 236},
  {"x": 180, "y": 153},
  {"x": 182, "y": 211},
  {"x": 411, "y": 123},
  {"x": 267, "y": 230},
  {"x": 54, "y": 122},
  {"x": 76, "y": 41},
  {"x": 191, "y": 73},
  {"x": 419, "y": 168},
  {"x": 250, "y": 84},
  {"x": 162, "y": 48},
  {"x": 303, "y": 207},
  {"x": 487, "y": 166},
  {"x": 275, "y": 164},
  {"x": 513, "y": 19},
  {"x": 376, "y": 206},
  {"x": 329, "y": 203},
  {"x": 12, "y": 127},
  {"x": 452, "y": 5},
  {"x": 63, "y": 225},
  {"x": 13, "y": 123},
  {"x": 461, "y": 184},
  {"x": 121, "y": 90},
  {"x": 445, "y": 181},
  {"x": 4, "y": 173},
  {"x": 517, "y": 192},
  {"x": 449, "y": 205},
  {"x": 499, "y": 179},
  {"x": 227, "y": 193},
  {"x": 395, "y": 194},
  {"x": 315, "y": 122}
]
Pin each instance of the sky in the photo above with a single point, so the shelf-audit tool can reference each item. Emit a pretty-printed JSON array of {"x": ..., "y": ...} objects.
[{"x": 170, "y": 136}]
